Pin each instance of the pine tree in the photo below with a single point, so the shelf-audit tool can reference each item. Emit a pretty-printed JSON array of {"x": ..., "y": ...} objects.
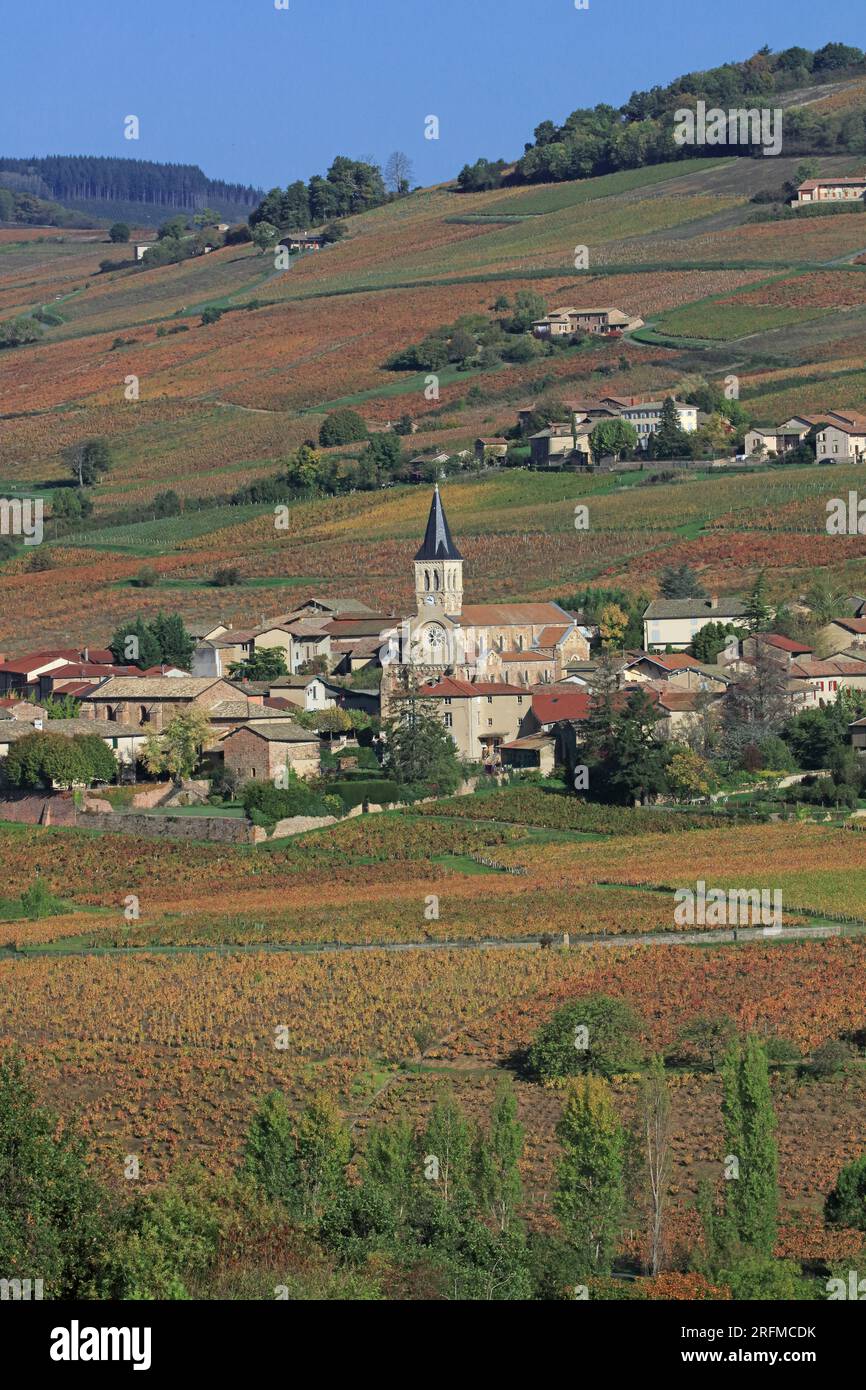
[
  {"x": 135, "y": 645},
  {"x": 589, "y": 1197},
  {"x": 670, "y": 440},
  {"x": 757, "y": 608},
  {"x": 175, "y": 643}
]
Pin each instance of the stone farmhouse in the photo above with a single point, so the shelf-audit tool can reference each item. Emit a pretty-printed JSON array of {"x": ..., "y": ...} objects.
[
  {"x": 150, "y": 703},
  {"x": 261, "y": 749},
  {"x": 565, "y": 322}
]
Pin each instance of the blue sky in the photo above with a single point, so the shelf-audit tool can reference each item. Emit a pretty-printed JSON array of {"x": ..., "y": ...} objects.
[{"x": 264, "y": 96}]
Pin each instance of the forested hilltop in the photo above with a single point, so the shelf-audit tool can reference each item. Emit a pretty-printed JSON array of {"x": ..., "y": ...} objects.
[
  {"x": 603, "y": 138},
  {"x": 83, "y": 180}
]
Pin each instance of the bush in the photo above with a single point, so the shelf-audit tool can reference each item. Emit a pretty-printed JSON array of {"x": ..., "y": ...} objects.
[
  {"x": 705, "y": 1040},
  {"x": 342, "y": 427},
  {"x": 354, "y": 793},
  {"x": 780, "y": 1050},
  {"x": 238, "y": 234},
  {"x": 756, "y": 1278},
  {"x": 146, "y": 577},
  {"x": 609, "y": 1045},
  {"x": 39, "y": 901},
  {"x": 266, "y": 804},
  {"x": 830, "y": 1059},
  {"x": 226, "y": 577},
  {"x": 846, "y": 1204}
]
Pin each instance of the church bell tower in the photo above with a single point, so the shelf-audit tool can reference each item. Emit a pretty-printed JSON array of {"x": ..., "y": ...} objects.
[{"x": 438, "y": 566}]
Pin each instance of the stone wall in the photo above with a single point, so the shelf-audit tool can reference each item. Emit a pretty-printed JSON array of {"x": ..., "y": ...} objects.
[{"x": 222, "y": 829}]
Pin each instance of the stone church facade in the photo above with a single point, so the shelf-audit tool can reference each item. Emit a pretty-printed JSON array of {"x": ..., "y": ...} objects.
[{"x": 520, "y": 644}]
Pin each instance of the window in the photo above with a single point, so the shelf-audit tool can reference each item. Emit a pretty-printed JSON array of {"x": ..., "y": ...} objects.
[
  {"x": 449, "y": 721},
  {"x": 490, "y": 699},
  {"x": 520, "y": 699},
  {"x": 490, "y": 723},
  {"x": 448, "y": 699}
]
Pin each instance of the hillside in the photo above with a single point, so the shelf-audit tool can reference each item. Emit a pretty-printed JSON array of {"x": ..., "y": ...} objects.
[
  {"x": 781, "y": 304},
  {"x": 820, "y": 93},
  {"x": 142, "y": 189}
]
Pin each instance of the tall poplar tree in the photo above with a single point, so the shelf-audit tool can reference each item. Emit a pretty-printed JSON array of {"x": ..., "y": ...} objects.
[
  {"x": 590, "y": 1195},
  {"x": 751, "y": 1195}
]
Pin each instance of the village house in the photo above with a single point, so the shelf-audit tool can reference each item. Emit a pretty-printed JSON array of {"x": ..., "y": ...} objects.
[
  {"x": 125, "y": 742},
  {"x": 261, "y": 749},
  {"x": 151, "y": 702},
  {"x": 550, "y": 707},
  {"x": 530, "y": 752},
  {"x": 675, "y": 670},
  {"x": 857, "y": 735},
  {"x": 646, "y": 416},
  {"x": 213, "y": 657},
  {"x": 824, "y": 679},
  {"x": 427, "y": 465},
  {"x": 21, "y": 674},
  {"x": 673, "y": 622},
  {"x": 480, "y": 716},
  {"x": 830, "y": 190},
  {"x": 565, "y": 322},
  {"x": 305, "y": 692},
  {"x": 784, "y": 650},
  {"x": 491, "y": 449},
  {"x": 842, "y": 437},
  {"x": 782, "y": 438},
  {"x": 561, "y": 443},
  {"x": 24, "y": 710},
  {"x": 843, "y": 634}
]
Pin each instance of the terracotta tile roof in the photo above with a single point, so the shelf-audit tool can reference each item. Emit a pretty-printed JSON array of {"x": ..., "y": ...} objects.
[
  {"x": 833, "y": 666},
  {"x": 848, "y": 424},
  {"x": 450, "y": 686},
  {"x": 551, "y": 636},
  {"x": 785, "y": 644},
  {"x": 681, "y": 661},
  {"x": 512, "y": 614},
  {"x": 531, "y": 741},
  {"x": 811, "y": 184},
  {"x": 851, "y": 624},
  {"x": 677, "y": 701},
  {"x": 79, "y": 670},
  {"x": 560, "y": 704}
]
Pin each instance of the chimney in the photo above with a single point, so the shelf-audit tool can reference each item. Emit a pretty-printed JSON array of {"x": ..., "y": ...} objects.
[
  {"x": 714, "y": 601},
  {"x": 86, "y": 654}
]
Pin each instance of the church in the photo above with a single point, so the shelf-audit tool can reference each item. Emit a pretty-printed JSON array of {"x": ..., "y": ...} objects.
[{"x": 519, "y": 644}]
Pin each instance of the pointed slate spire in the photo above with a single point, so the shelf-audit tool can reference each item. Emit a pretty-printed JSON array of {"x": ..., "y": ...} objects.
[{"x": 438, "y": 544}]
